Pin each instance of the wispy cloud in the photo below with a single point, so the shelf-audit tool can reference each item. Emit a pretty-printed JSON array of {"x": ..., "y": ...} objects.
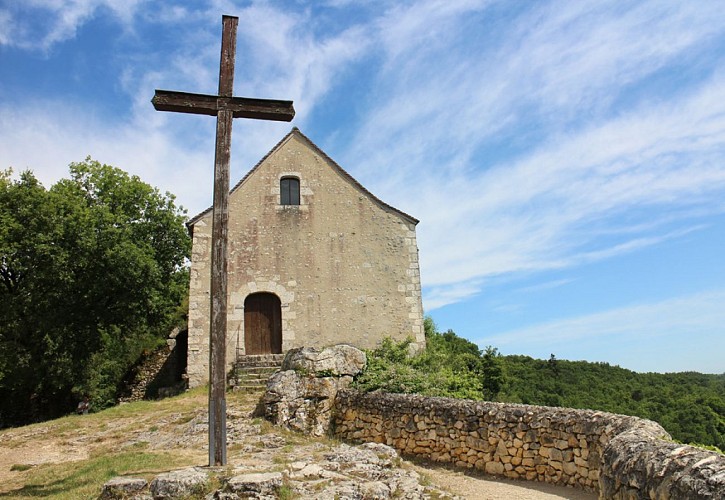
[
  {"x": 700, "y": 314},
  {"x": 678, "y": 334},
  {"x": 495, "y": 197},
  {"x": 548, "y": 285},
  {"x": 532, "y": 212},
  {"x": 144, "y": 151},
  {"x": 40, "y": 24}
]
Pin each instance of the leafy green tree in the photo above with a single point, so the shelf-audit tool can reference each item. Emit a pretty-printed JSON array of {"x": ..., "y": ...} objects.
[
  {"x": 92, "y": 274},
  {"x": 492, "y": 372},
  {"x": 448, "y": 366},
  {"x": 553, "y": 365}
]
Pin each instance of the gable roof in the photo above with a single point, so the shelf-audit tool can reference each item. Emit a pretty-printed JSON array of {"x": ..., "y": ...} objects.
[{"x": 333, "y": 163}]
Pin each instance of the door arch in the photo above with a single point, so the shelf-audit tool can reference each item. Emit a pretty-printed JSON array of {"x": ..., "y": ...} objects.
[{"x": 262, "y": 324}]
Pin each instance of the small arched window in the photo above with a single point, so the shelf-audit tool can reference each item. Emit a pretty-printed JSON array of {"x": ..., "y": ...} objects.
[{"x": 289, "y": 188}]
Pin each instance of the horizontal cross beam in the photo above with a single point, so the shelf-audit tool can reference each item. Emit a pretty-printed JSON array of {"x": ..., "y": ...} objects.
[{"x": 241, "y": 107}]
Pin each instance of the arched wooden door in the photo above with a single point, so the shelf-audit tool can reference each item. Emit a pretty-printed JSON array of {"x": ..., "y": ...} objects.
[{"x": 262, "y": 324}]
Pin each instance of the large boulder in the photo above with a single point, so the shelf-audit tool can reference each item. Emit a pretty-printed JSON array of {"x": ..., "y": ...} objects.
[
  {"x": 302, "y": 395},
  {"x": 302, "y": 402},
  {"x": 338, "y": 360}
]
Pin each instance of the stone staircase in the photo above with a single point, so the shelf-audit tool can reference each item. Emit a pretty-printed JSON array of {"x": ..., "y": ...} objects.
[{"x": 251, "y": 372}]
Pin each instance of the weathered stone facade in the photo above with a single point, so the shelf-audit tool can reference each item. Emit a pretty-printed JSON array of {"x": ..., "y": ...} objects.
[{"x": 343, "y": 264}]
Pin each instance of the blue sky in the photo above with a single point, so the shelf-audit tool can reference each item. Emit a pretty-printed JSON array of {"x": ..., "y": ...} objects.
[{"x": 566, "y": 159}]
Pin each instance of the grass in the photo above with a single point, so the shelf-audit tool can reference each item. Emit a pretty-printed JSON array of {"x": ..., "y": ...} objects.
[
  {"x": 285, "y": 492},
  {"x": 20, "y": 467},
  {"x": 75, "y": 480},
  {"x": 105, "y": 438}
]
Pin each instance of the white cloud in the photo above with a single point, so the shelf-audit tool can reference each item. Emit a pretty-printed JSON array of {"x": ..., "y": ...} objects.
[
  {"x": 304, "y": 67},
  {"x": 172, "y": 151},
  {"x": 581, "y": 163},
  {"x": 40, "y": 24},
  {"x": 436, "y": 297},
  {"x": 145, "y": 151},
  {"x": 700, "y": 313},
  {"x": 548, "y": 285},
  {"x": 6, "y": 27},
  {"x": 533, "y": 214}
]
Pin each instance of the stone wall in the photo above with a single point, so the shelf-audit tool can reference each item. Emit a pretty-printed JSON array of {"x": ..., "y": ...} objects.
[
  {"x": 160, "y": 373},
  {"x": 640, "y": 465},
  {"x": 620, "y": 456}
]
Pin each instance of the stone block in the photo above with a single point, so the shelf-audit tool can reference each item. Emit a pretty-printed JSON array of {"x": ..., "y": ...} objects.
[
  {"x": 255, "y": 484},
  {"x": 570, "y": 468},
  {"x": 178, "y": 483},
  {"x": 123, "y": 487},
  {"x": 495, "y": 468}
]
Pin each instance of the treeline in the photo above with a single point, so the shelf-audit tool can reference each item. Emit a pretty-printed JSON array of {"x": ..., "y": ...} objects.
[
  {"x": 690, "y": 406},
  {"x": 91, "y": 276}
]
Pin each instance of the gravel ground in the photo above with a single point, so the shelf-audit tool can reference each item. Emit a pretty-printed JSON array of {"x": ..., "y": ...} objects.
[{"x": 481, "y": 487}]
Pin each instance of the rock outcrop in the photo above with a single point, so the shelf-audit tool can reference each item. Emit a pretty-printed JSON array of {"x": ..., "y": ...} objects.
[
  {"x": 356, "y": 472},
  {"x": 338, "y": 361},
  {"x": 179, "y": 483},
  {"x": 301, "y": 396},
  {"x": 125, "y": 487}
]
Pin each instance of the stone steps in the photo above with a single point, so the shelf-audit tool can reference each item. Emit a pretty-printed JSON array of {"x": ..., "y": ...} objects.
[{"x": 251, "y": 372}]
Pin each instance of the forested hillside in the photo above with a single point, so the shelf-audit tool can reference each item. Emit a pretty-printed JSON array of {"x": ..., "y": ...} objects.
[{"x": 691, "y": 406}]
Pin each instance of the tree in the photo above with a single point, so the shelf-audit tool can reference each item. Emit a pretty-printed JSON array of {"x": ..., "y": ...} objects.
[
  {"x": 492, "y": 371},
  {"x": 92, "y": 274},
  {"x": 553, "y": 365}
]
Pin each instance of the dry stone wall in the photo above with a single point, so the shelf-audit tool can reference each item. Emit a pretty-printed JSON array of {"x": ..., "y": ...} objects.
[
  {"x": 620, "y": 456},
  {"x": 639, "y": 465},
  {"x": 517, "y": 441}
]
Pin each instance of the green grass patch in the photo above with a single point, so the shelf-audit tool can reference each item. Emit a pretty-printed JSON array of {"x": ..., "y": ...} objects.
[
  {"x": 75, "y": 480},
  {"x": 20, "y": 467},
  {"x": 285, "y": 492}
]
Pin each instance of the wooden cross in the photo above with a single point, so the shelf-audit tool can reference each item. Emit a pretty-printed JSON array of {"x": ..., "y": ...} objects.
[{"x": 225, "y": 107}]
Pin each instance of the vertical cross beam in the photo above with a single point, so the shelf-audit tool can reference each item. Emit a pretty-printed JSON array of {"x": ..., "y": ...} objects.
[
  {"x": 220, "y": 218},
  {"x": 225, "y": 107}
]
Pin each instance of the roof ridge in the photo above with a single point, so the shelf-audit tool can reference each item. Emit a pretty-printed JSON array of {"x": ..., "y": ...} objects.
[
  {"x": 322, "y": 153},
  {"x": 355, "y": 181}
]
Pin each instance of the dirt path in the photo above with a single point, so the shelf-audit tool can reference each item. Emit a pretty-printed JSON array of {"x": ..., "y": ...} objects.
[{"x": 481, "y": 487}]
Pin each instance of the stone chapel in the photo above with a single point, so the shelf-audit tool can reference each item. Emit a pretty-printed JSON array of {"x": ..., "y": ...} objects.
[{"x": 314, "y": 259}]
